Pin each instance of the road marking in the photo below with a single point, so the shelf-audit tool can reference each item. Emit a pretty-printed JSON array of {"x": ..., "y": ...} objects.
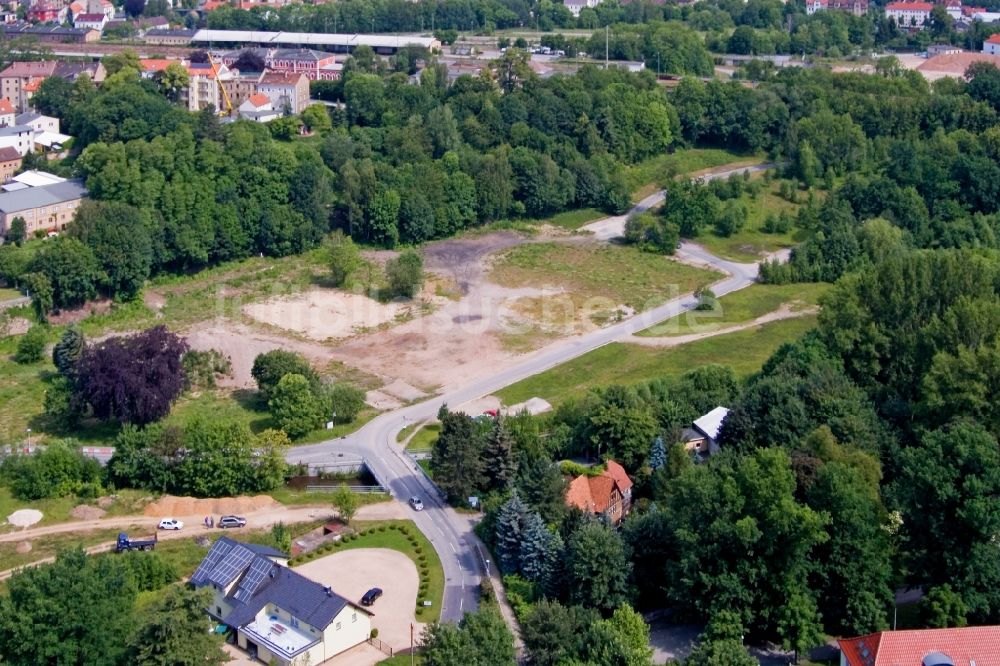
[
  {"x": 461, "y": 603},
  {"x": 452, "y": 547}
]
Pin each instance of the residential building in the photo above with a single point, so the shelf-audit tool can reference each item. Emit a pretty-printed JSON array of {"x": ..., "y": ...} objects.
[
  {"x": 258, "y": 108},
  {"x": 241, "y": 86},
  {"x": 92, "y": 21},
  {"x": 968, "y": 646},
  {"x": 954, "y": 8},
  {"x": 279, "y": 616},
  {"x": 7, "y": 113},
  {"x": 943, "y": 49},
  {"x": 992, "y": 45},
  {"x": 158, "y": 37},
  {"x": 10, "y": 162},
  {"x": 38, "y": 122},
  {"x": 909, "y": 14},
  {"x": 855, "y": 7},
  {"x": 71, "y": 71},
  {"x": 289, "y": 93},
  {"x": 46, "y": 208},
  {"x": 8, "y": 17},
  {"x": 19, "y": 137},
  {"x": 316, "y": 65},
  {"x": 576, "y": 6},
  {"x": 701, "y": 438},
  {"x": 47, "y": 11},
  {"x": 608, "y": 494},
  {"x": 18, "y": 75},
  {"x": 203, "y": 88}
]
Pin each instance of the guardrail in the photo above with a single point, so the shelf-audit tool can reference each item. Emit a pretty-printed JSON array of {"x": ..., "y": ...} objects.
[
  {"x": 427, "y": 476},
  {"x": 361, "y": 490}
]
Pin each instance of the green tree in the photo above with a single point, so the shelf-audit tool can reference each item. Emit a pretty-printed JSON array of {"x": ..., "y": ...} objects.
[
  {"x": 295, "y": 406},
  {"x": 269, "y": 367},
  {"x": 621, "y": 639},
  {"x": 73, "y": 611},
  {"x": 175, "y": 632},
  {"x": 346, "y": 503},
  {"x": 118, "y": 235},
  {"x": 18, "y": 231},
  {"x": 173, "y": 79},
  {"x": 316, "y": 118},
  {"x": 555, "y": 634},
  {"x": 942, "y": 607},
  {"x": 60, "y": 404},
  {"x": 621, "y": 427},
  {"x": 72, "y": 270},
  {"x": 457, "y": 456},
  {"x": 499, "y": 454},
  {"x": 597, "y": 568},
  {"x": 541, "y": 551},
  {"x": 480, "y": 638},
  {"x": 508, "y": 538},
  {"x": 343, "y": 256},
  {"x": 116, "y": 62},
  {"x": 342, "y": 401},
  {"x": 39, "y": 287},
  {"x": 31, "y": 345},
  {"x": 405, "y": 274},
  {"x": 721, "y": 644}
]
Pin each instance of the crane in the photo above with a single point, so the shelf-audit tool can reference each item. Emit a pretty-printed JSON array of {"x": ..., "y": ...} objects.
[{"x": 225, "y": 94}]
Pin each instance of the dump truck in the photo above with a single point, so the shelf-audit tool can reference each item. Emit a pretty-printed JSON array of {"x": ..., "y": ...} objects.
[{"x": 124, "y": 543}]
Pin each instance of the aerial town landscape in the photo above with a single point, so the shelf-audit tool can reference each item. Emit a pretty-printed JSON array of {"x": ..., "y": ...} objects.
[{"x": 495, "y": 332}]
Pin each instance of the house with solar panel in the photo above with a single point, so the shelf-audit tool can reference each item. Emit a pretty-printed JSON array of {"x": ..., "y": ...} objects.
[{"x": 278, "y": 615}]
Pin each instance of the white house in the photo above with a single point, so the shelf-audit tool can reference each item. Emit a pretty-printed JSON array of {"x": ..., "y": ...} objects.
[
  {"x": 258, "y": 108},
  {"x": 19, "y": 137},
  {"x": 7, "y": 112},
  {"x": 909, "y": 14},
  {"x": 279, "y": 616},
  {"x": 37, "y": 121},
  {"x": 91, "y": 21},
  {"x": 992, "y": 45},
  {"x": 701, "y": 438},
  {"x": 575, "y": 6}
]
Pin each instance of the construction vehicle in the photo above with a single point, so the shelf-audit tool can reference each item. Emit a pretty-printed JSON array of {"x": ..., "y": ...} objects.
[
  {"x": 125, "y": 544},
  {"x": 228, "y": 109}
]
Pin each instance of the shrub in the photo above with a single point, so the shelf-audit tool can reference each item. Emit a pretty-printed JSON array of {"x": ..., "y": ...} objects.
[
  {"x": 31, "y": 346},
  {"x": 374, "y": 633},
  {"x": 419, "y": 611}
]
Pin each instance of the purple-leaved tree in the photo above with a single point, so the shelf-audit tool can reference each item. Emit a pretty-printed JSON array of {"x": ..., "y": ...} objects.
[{"x": 132, "y": 379}]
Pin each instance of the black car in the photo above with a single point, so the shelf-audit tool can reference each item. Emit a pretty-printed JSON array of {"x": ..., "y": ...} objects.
[{"x": 370, "y": 596}]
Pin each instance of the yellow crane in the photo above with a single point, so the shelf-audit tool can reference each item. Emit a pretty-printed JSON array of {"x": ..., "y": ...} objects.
[{"x": 228, "y": 111}]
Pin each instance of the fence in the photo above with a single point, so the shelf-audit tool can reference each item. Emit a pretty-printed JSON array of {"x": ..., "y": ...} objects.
[
  {"x": 386, "y": 649},
  {"x": 427, "y": 476},
  {"x": 361, "y": 490}
]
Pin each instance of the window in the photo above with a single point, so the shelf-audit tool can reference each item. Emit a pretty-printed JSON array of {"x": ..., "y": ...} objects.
[
  {"x": 354, "y": 617},
  {"x": 338, "y": 626},
  {"x": 294, "y": 621},
  {"x": 218, "y": 611}
]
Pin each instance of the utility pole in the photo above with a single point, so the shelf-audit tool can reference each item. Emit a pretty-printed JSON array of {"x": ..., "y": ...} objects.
[{"x": 607, "y": 38}]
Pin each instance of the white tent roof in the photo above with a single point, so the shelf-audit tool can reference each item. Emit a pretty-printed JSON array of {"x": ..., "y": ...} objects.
[
  {"x": 36, "y": 178},
  {"x": 710, "y": 423},
  {"x": 48, "y": 139}
]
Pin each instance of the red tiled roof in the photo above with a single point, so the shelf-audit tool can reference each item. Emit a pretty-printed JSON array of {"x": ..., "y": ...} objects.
[
  {"x": 259, "y": 99},
  {"x": 994, "y": 39},
  {"x": 33, "y": 85},
  {"x": 26, "y": 69},
  {"x": 965, "y": 647},
  {"x": 5, "y": 106},
  {"x": 90, "y": 18},
  {"x": 9, "y": 154},
  {"x": 156, "y": 64},
  {"x": 912, "y": 6},
  {"x": 282, "y": 78},
  {"x": 593, "y": 493}
]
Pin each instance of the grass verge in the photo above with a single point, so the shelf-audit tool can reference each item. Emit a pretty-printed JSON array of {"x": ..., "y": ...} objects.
[
  {"x": 618, "y": 363},
  {"x": 404, "y": 537},
  {"x": 425, "y": 437},
  {"x": 574, "y": 219},
  {"x": 740, "y": 307},
  {"x": 653, "y": 174}
]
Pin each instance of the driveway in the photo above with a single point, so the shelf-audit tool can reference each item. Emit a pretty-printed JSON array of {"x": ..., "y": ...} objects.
[{"x": 351, "y": 573}]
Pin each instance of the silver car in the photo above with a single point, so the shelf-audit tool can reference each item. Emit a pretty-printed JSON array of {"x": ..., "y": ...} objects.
[{"x": 417, "y": 504}]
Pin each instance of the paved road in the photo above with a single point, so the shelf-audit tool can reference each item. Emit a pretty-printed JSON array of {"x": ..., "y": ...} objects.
[{"x": 451, "y": 532}]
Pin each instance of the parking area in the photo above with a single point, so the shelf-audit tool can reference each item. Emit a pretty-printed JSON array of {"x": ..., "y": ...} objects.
[{"x": 353, "y": 572}]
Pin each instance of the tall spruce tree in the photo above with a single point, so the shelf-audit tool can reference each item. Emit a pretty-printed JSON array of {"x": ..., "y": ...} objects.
[
  {"x": 499, "y": 456},
  {"x": 509, "y": 530},
  {"x": 657, "y": 453},
  {"x": 540, "y": 550}
]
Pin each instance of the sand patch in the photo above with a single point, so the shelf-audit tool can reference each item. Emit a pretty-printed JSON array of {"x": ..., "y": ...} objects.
[
  {"x": 382, "y": 401},
  {"x": 532, "y": 405},
  {"x": 404, "y": 391},
  {"x": 322, "y": 314},
  {"x": 24, "y": 517},
  {"x": 23, "y": 547},
  {"x": 170, "y": 506},
  {"x": 86, "y": 512}
]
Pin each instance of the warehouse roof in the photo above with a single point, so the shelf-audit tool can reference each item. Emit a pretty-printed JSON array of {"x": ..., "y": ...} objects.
[
  {"x": 46, "y": 195},
  {"x": 313, "y": 39}
]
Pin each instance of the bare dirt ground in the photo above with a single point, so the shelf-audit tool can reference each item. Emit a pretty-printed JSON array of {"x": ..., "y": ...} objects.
[
  {"x": 242, "y": 344},
  {"x": 388, "y": 569},
  {"x": 324, "y": 314},
  {"x": 784, "y": 312}
]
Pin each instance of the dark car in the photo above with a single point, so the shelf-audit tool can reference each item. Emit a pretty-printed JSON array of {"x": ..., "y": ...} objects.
[
  {"x": 232, "y": 521},
  {"x": 370, "y": 596}
]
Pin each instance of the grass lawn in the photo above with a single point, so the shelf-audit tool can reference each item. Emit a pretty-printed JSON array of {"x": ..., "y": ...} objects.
[
  {"x": 574, "y": 219},
  {"x": 401, "y": 660},
  {"x": 49, "y": 545},
  {"x": 740, "y": 307},
  {"x": 292, "y": 497},
  {"x": 7, "y": 294},
  {"x": 386, "y": 534},
  {"x": 652, "y": 174},
  {"x": 750, "y": 242},
  {"x": 425, "y": 437},
  {"x": 620, "y": 275},
  {"x": 745, "y": 351}
]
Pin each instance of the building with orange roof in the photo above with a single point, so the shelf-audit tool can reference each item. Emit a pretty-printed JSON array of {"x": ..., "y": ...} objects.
[
  {"x": 909, "y": 14},
  {"x": 608, "y": 494},
  {"x": 992, "y": 45},
  {"x": 7, "y": 112},
  {"x": 289, "y": 93},
  {"x": 966, "y": 646}
]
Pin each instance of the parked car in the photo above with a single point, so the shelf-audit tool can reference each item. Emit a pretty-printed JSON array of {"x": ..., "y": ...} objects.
[
  {"x": 417, "y": 503},
  {"x": 370, "y": 596},
  {"x": 170, "y": 524},
  {"x": 232, "y": 521}
]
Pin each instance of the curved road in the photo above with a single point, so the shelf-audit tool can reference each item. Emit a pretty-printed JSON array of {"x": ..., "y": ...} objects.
[{"x": 449, "y": 531}]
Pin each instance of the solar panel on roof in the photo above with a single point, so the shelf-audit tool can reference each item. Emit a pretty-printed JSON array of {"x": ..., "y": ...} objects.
[
  {"x": 218, "y": 551},
  {"x": 231, "y": 565},
  {"x": 254, "y": 577}
]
